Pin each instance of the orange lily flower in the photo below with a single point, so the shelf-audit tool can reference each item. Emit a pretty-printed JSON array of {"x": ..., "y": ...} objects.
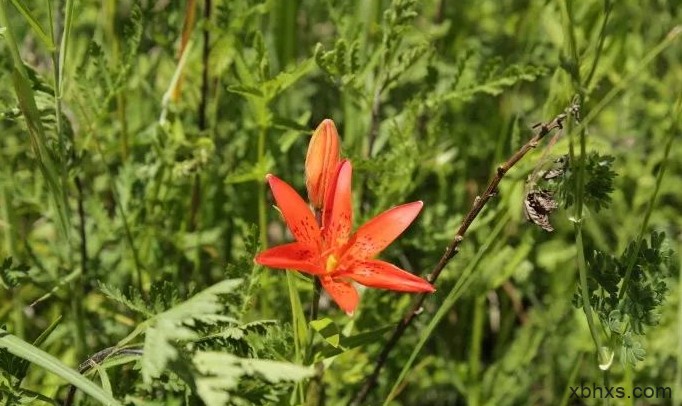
[
  {"x": 334, "y": 255},
  {"x": 321, "y": 162}
]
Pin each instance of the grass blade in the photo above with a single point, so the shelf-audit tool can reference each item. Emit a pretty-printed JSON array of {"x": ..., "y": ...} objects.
[
  {"x": 33, "y": 22},
  {"x": 29, "y": 109},
  {"x": 35, "y": 355}
]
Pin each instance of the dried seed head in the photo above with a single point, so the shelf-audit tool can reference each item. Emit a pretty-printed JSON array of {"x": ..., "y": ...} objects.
[{"x": 537, "y": 207}]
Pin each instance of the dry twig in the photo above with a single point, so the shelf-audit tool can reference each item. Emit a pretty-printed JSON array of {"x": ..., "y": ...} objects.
[{"x": 541, "y": 130}]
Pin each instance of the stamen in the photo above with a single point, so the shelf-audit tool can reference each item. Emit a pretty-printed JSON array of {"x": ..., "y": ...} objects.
[{"x": 331, "y": 264}]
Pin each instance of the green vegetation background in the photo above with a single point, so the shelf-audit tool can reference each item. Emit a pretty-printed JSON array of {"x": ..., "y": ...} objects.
[{"x": 131, "y": 179}]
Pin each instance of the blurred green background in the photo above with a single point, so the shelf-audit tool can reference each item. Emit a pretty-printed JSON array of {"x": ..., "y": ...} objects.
[{"x": 135, "y": 140}]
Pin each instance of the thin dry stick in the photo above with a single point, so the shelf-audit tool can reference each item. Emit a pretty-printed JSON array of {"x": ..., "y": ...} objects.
[
  {"x": 541, "y": 130},
  {"x": 205, "y": 55},
  {"x": 97, "y": 359},
  {"x": 81, "y": 229}
]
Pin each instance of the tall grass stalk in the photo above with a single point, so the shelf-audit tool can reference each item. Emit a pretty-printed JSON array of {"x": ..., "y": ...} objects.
[
  {"x": 29, "y": 109},
  {"x": 604, "y": 359}
]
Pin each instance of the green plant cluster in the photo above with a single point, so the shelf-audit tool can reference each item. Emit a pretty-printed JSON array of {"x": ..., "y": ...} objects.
[{"x": 135, "y": 137}]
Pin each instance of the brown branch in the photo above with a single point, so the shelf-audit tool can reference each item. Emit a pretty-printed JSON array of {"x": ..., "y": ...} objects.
[
  {"x": 81, "y": 229},
  {"x": 515, "y": 298},
  {"x": 205, "y": 55},
  {"x": 195, "y": 202},
  {"x": 541, "y": 130}
]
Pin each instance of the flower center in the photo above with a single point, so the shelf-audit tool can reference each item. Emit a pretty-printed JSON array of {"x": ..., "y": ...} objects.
[{"x": 330, "y": 266}]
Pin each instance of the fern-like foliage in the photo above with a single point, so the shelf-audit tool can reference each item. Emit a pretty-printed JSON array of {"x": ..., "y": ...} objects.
[
  {"x": 476, "y": 75},
  {"x": 99, "y": 82},
  {"x": 628, "y": 310},
  {"x": 221, "y": 373},
  {"x": 599, "y": 176},
  {"x": 399, "y": 50},
  {"x": 12, "y": 275},
  {"x": 166, "y": 329},
  {"x": 182, "y": 341}
]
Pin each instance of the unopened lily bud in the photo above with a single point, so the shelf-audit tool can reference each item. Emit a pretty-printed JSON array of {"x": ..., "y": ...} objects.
[{"x": 321, "y": 162}]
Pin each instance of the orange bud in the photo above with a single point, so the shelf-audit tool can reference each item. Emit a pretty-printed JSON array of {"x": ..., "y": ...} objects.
[{"x": 321, "y": 162}]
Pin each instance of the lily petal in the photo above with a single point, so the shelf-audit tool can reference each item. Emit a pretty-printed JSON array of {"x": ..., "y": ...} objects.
[
  {"x": 294, "y": 255},
  {"x": 321, "y": 162},
  {"x": 297, "y": 214},
  {"x": 343, "y": 293},
  {"x": 338, "y": 214},
  {"x": 379, "y": 232},
  {"x": 384, "y": 275}
]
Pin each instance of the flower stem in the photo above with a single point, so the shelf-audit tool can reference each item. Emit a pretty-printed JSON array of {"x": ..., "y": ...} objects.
[
  {"x": 262, "y": 210},
  {"x": 317, "y": 284}
]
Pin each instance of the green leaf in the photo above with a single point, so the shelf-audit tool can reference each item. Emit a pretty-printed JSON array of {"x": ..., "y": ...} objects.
[
  {"x": 104, "y": 377},
  {"x": 35, "y": 355},
  {"x": 17, "y": 367},
  {"x": 159, "y": 347},
  {"x": 33, "y": 22},
  {"x": 166, "y": 328},
  {"x": 298, "y": 317},
  {"x": 358, "y": 340},
  {"x": 221, "y": 372},
  {"x": 284, "y": 123},
  {"x": 245, "y": 90},
  {"x": 249, "y": 172},
  {"x": 328, "y": 330},
  {"x": 284, "y": 80},
  {"x": 12, "y": 276},
  {"x": 136, "y": 303},
  {"x": 27, "y": 104},
  {"x": 492, "y": 86},
  {"x": 599, "y": 177}
]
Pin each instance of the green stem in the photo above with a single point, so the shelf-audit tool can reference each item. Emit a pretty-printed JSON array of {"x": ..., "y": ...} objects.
[
  {"x": 317, "y": 287},
  {"x": 579, "y": 187},
  {"x": 628, "y": 384},
  {"x": 631, "y": 77},
  {"x": 607, "y": 384},
  {"x": 578, "y": 226},
  {"x": 584, "y": 288},
  {"x": 608, "y": 6},
  {"x": 474, "y": 394},
  {"x": 262, "y": 208},
  {"x": 572, "y": 378},
  {"x": 678, "y": 372},
  {"x": 126, "y": 225},
  {"x": 315, "y": 305},
  {"x": 110, "y": 13},
  {"x": 58, "y": 58},
  {"x": 38, "y": 138},
  {"x": 645, "y": 223},
  {"x": 58, "y": 63},
  {"x": 262, "y": 205}
]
